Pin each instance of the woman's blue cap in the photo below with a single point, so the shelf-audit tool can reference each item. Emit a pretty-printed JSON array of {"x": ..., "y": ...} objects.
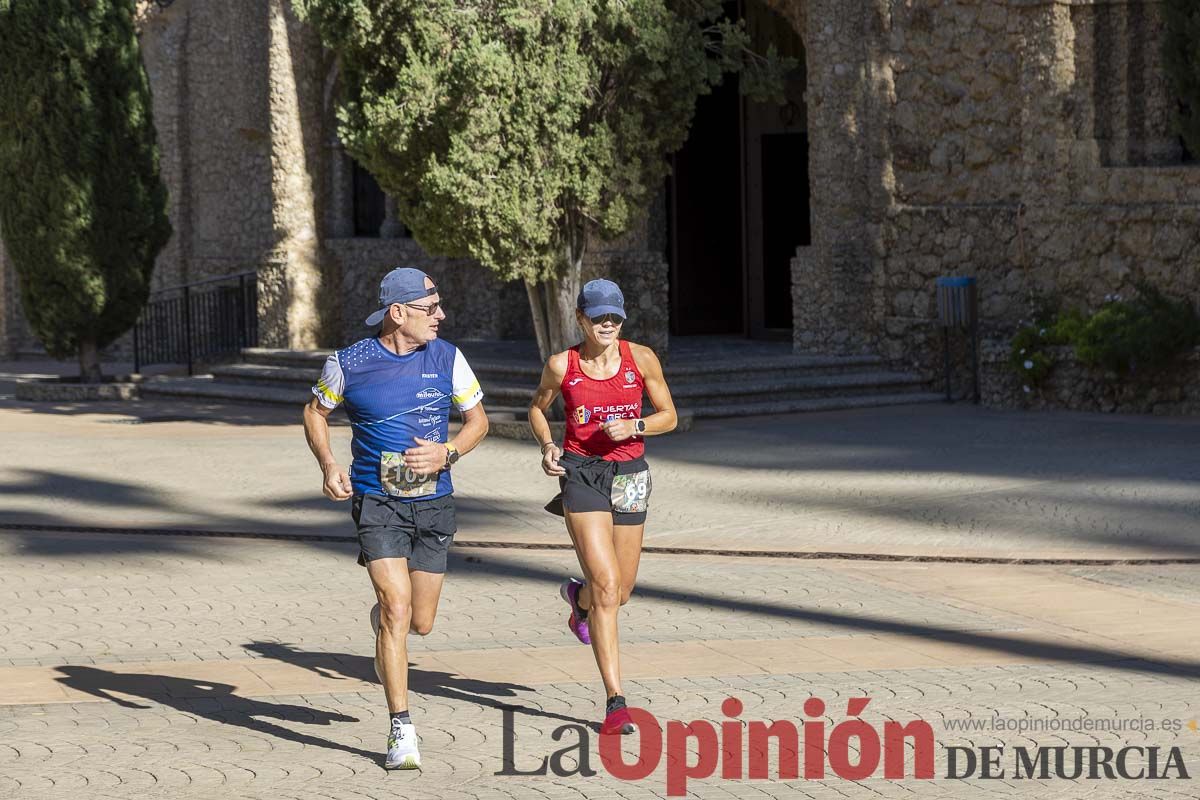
[{"x": 601, "y": 297}]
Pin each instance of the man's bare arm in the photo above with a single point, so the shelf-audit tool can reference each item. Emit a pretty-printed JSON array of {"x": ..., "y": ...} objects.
[{"x": 336, "y": 483}]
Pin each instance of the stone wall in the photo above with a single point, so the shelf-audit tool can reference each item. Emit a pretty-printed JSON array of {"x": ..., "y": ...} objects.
[
  {"x": 831, "y": 277},
  {"x": 1071, "y": 385},
  {"x": 1019, "y": 144},
  {"x": 478, "y": 305},
  {"x": 238, "y": 90}
]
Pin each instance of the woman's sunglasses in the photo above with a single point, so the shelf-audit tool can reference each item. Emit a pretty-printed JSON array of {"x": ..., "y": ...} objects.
[{"x": 615, "y": 319}]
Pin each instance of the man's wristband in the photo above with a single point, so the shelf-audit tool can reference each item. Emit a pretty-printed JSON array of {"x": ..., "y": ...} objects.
[{"x": 547, "y": 444}]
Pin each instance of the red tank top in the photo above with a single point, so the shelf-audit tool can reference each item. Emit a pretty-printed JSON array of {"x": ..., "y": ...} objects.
[{"x": 590, "y": 402}]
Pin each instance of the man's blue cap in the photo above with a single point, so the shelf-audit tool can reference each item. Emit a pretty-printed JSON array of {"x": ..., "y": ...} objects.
[
  {"x": 402, "y": 285},
  {"x": 601, "y": 297}
]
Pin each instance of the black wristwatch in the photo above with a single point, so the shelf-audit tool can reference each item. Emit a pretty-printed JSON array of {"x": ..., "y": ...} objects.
[{"x": 639, "y": 425}]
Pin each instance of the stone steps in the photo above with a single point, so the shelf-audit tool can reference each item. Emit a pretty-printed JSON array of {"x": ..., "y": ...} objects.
[
  {"x": 308, "y": 365},
  {"x": 727, "y": 386},
  {"x": 205, "y": 387},
  {"x": 835, "y": 403}
]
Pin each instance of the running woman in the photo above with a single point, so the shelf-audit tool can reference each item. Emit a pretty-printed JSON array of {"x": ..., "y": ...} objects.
[
  {"x": 603, "y": 476},
  {"x": 398, "y": 389}
]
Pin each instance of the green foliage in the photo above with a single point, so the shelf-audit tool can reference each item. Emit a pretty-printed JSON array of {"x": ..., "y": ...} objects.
[
  {"x": 82, "y": 206},
  {"x": 1122, "y": 337},
  {"x": 506, "y": 131},
  {"x": 1181, "y": 57},
  {"x": 1030, "y": 357},
  {"x": 1139, "y": 334}
]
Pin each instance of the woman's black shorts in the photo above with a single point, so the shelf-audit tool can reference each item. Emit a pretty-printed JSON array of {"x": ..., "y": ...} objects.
[{"x": 593, "y": 484}]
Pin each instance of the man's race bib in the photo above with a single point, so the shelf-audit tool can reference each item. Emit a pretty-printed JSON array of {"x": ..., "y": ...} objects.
[
  {"x": 400, "y": 481},
  {"x": 631, "y": 493}
]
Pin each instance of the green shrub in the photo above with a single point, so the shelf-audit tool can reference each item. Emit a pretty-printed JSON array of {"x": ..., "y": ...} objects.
[
  {"x": 1143, "y": 333},
  {"x": 1122, "y": 337},
  {"x": 1030, "y": 358}
]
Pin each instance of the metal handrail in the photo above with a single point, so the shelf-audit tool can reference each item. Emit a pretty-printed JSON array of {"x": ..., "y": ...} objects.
[{"x": 197, "y": 325}]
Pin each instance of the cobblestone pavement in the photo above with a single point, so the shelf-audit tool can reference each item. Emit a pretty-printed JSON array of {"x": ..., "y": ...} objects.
[
  {"x": 173, "y": 667},
  {"x": 923, "y": 480}
]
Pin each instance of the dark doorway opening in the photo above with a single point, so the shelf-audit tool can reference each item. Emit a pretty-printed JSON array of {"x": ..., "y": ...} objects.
[
  {"x": 738, "y": 198},
  {"x": 369, "y": 203},
  {"x": 704, "y": 211},
  {"x": 785, "y": 221}
]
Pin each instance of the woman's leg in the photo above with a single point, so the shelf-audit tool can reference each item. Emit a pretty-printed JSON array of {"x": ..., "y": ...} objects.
[
  {"x": 592, "y": 533},
  {"x": 627, "y": 543}
]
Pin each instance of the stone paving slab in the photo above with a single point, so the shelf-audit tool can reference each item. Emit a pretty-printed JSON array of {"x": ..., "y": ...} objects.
[
  {"x": 262, "y": 686},
  {"x": 911, "y": 481}
]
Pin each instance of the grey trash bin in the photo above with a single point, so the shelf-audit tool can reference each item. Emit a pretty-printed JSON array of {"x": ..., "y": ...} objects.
[{"x": 958, "y": 307}]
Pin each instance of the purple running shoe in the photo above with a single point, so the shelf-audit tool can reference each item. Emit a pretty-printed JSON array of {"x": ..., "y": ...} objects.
[{"x": 570, "y": 593}]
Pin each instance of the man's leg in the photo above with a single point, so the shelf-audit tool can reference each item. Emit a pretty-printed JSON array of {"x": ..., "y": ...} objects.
[
  {"x": 394, "y": 590},
  {"x": 426, "y": 593}
]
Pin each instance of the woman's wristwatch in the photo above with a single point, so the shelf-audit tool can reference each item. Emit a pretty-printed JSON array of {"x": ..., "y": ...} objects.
[{"x": 639, "y": 425}]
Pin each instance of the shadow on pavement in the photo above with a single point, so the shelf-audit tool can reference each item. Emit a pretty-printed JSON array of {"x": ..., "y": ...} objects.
[
  {"x": 149, "y": 412},
  {"x": 1014, "y": 645},
  {"x": 212, "y": 701},
  {"x": 430, "y": 683}
]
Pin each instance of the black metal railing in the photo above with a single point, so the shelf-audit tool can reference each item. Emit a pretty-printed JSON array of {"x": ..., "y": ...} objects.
[{"x": 197, "y": 321}]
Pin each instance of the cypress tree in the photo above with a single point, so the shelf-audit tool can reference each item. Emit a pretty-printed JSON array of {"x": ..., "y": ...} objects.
[{"x": 82, "y": 205}]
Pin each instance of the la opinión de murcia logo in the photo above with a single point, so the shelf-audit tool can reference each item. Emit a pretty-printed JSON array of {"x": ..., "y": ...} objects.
[
  {"x": 734, "y": 744},
  {"x": 741, "y": 749}
]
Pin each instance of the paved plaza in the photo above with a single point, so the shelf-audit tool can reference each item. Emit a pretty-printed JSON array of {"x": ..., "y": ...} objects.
[
  {"x": 146, "y": 663},
  {"x": 152, "y": 666},
  {"x": 929, "y": 480}
]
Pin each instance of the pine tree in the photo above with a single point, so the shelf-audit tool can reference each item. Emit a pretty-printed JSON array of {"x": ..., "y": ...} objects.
[
  {"x": 82, "y": 205},
  {"x": 512, "y": 132}
]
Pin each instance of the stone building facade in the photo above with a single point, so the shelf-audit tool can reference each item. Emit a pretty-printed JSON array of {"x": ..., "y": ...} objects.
[{"x": 1025, "y": 142}]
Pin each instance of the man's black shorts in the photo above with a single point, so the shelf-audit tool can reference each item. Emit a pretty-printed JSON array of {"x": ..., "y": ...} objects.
[
  {"x": 419, "y": 530},
  {"x": 592, "y": 484}
]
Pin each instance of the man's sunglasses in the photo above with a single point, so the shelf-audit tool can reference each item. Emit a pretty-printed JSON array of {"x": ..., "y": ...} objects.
[
  {"x": 615, "y": 319},
  {"x": 430, "y": 309}
]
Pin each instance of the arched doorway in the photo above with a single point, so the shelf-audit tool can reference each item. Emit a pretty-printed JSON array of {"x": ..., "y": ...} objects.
[{"x": 738, "y": 200}]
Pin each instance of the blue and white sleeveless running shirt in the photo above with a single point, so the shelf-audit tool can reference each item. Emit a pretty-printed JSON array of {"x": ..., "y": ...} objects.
[{"x": 390, "y": 401}]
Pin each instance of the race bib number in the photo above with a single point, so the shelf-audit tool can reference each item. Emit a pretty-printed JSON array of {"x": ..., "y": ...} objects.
[
  {"x": 400, "y": 481},
  {"x": 631, "y": 493}
]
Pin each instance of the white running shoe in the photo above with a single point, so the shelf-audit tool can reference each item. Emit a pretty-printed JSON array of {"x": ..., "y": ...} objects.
[
  {"x": 402, "y": 748},
  {"x": 375, "y": 629}
]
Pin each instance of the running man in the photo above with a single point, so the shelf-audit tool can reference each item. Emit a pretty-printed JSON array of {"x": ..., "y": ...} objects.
[
  {"x": 397, "y": 389},
  {"x": 603, "y": 476}
]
